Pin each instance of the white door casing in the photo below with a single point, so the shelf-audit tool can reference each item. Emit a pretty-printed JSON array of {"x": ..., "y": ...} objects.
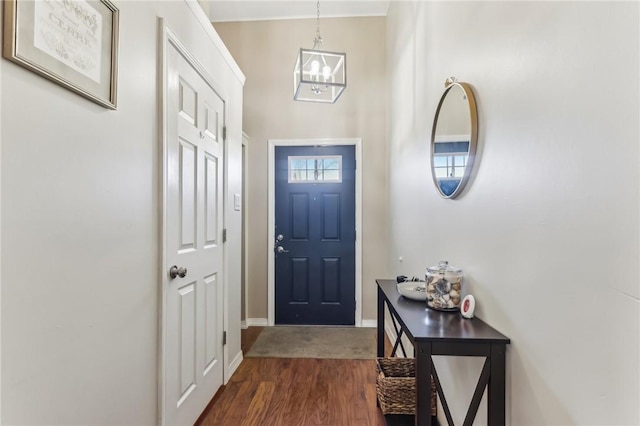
[
  {"x": 245, "y": 227},
  {"x": 192, "y": 306}
]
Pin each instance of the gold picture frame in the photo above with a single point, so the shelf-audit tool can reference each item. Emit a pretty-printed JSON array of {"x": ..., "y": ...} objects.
[{"x": 71, "y": 42}]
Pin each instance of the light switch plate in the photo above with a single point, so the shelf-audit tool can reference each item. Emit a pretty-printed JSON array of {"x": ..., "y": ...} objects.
[{"x": 236, "y": 202}]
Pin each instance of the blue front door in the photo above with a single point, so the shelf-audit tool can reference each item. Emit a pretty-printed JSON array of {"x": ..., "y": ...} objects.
[{"x": 315, "y": 235}]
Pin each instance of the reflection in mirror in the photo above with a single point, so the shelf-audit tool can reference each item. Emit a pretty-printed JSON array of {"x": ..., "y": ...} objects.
[{"x": 453, "y": 139}]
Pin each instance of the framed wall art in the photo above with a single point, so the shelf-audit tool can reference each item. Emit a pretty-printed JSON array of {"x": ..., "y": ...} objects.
[{"x": 71, "y": 42}]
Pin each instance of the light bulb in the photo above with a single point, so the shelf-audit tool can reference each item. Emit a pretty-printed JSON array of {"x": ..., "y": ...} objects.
[
  {"x": 326, "y": 72},
  {"x": 315, "y": 67}
]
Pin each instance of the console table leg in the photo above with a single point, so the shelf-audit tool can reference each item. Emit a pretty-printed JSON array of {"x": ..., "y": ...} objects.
[
  {"x": 380, "y": 324},
  {"x": 423, "y": 384},
  {"x": 496, "y": 388}
]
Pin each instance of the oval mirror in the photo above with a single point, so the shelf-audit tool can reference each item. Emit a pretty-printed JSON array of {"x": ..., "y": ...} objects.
[{"x": 453, "y": 138}]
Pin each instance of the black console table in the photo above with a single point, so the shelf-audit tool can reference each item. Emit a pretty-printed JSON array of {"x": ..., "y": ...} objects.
[{"x": 445, "y": 333}]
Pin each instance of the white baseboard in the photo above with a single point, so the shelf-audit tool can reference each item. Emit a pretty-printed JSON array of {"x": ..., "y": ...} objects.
[
  {"x": 391, "y": 334},
  {"x": 258, "y": 322},
  {"x": 371, "y": 323},
  {"x": 233, "y": 365},
  {"x": 264, "y": 322}
]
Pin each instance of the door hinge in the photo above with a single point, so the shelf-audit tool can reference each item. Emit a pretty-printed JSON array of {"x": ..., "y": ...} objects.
[
  {"x": 224, "y": 235},
  {"x": 224, "y": 133},
  {"x": 224, "y": 338}
]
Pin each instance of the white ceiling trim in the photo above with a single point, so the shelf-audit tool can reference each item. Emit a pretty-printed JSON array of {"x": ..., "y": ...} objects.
[{"x": 261, "y": 10}]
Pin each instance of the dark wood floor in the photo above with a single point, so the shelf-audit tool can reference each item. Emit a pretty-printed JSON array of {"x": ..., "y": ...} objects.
[{"x": 280, "y": 391}]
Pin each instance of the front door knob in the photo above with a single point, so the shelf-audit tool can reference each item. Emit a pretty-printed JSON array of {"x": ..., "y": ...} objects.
[
  {"x": 174, "y": 272},
  {"x": 281, "y": 250}
]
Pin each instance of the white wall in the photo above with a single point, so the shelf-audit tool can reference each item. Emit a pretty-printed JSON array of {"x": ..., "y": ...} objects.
[
  {"x": 547, "y": 231},
  {"x": 266, "y": 52},
  {"x": 80, "y": 233}
]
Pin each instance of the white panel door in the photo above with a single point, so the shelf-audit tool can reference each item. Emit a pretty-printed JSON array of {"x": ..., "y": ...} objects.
[{"x": 193, "y": 345}]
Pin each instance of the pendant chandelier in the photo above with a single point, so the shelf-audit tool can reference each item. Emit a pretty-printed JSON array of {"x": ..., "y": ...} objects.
[{"x": 319, "y": 76}]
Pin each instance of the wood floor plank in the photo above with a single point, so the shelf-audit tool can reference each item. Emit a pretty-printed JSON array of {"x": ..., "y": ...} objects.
[
  {"x": 256, "y": 413},
  {"x": 317, "y": 408},
  {"x": 222, "y": 405},
  {"x": 241, "y": 402},
  {"x": 292, "y": 412},
  {"x": 374, "y": 415},
  {"x": 248, "y": 337},
  {"x": 278, "y": 403},
  {"x": 291, "y": 392}
]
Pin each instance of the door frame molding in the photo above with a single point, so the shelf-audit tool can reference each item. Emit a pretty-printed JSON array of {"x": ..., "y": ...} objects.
[
  {"x": 271, "y": 279},
  {"x": 169, "y": 39},
  {"x": 245, "y": 221}
]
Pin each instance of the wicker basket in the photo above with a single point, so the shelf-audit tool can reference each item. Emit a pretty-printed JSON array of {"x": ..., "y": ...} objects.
[{"x": 396, "y": 386}]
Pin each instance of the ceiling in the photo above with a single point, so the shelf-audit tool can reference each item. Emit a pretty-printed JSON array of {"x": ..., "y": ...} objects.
[{"x": 260, "y": 10}]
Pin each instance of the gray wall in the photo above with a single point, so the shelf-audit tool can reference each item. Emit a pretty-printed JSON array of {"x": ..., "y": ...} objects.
[{"x": 547, "y": 231}]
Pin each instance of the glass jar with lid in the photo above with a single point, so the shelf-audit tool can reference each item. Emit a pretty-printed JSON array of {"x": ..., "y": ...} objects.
[{"x": 444, "y": 287}]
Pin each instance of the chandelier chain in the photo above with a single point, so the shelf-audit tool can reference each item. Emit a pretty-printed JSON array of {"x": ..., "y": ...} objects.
[{"x": 318, "y": 39}]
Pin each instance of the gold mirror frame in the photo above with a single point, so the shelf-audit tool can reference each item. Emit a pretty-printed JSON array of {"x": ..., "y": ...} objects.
[{"x": 473, "y": 136}]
